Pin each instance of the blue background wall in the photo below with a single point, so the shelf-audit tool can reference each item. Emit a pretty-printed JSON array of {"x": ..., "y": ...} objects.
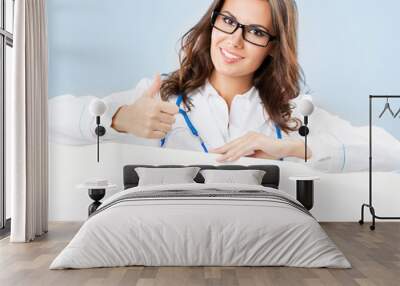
[{"x": 347, "y": 48}]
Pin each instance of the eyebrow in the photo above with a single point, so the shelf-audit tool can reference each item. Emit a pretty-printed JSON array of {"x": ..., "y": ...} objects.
[{"x": 253, "y": 25}]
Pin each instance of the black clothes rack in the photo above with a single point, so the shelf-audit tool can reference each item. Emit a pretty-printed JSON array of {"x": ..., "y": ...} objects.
[{"x": 370, "y": 206}]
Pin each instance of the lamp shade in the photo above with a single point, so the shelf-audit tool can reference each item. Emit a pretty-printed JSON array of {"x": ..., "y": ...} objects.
[
  {"x": 306, "y": 107},
  {"x": 97, "y": 107}
]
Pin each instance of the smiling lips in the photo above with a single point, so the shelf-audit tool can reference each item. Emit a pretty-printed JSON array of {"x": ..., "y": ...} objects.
[{"x": 230, "y": 57}]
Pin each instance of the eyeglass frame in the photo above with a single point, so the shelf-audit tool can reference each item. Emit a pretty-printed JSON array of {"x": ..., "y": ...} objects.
[{"x": 216, "y": 13}]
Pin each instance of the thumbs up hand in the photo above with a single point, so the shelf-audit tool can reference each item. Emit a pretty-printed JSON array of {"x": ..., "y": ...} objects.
[{"x": 148, "y": 116}]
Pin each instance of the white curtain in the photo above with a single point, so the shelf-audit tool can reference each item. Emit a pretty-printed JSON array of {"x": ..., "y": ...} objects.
[{"x": 27, "y": 148}]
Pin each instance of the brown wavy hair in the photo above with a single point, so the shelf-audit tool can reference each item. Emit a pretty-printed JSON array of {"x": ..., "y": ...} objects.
[{"x": 277, "y": 79}]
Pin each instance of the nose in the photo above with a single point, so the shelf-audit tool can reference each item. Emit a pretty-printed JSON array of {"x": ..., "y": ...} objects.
[{"x": 236, "y": 38}]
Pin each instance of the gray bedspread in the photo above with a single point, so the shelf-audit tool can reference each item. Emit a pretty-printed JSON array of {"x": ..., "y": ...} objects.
[{"x": 198, "y": 224}]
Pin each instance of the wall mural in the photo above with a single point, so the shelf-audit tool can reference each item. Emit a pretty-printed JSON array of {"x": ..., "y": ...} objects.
[{"x": 237, "y": 90}]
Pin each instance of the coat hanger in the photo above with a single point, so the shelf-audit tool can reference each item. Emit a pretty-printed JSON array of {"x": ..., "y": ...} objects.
[
  {"x": 387, "y": 107},
  {"x": 397, "y": 113}
]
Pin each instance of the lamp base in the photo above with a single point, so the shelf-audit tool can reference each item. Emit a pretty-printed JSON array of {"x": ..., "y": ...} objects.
[
  {"x": 100, "y": 130},
  {"x": 96, "y": 195},
  {"x": 303, "y": 130},
  {"x": 305, "y": 193}
]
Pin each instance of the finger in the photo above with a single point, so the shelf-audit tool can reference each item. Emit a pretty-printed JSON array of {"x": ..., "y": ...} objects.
[
  {"x": 263, "y": 155},
  {"x": 222, "y": 150},
  {"x": 241, "y": 142},
  {"x": 227, "y": 154},
  {"x": 246, "y": 147},
  {"x": 237, "y": 152},
  {"x": 163, "y": 127},
  {"x": 156, "y": 134},
  {"x": 221, "y": 159},
  {"x": 168, "y": 107},
  {"x": 225, "y": 148},
  {"x": 255, "y": 154},
  {"x": 154, "y": 87},
  {"x": 214, "y": 150},
  {"x": 166, "y": 118},
  {"x": 227, "y": 158},
  {"x": 242, "y": 148}
]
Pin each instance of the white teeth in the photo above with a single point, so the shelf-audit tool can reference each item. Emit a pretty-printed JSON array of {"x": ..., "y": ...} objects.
[{"x": 229, "y": 55}]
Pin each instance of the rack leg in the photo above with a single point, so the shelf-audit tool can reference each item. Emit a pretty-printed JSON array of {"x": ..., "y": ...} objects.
[
  {"x": 372, "y": 210},
  {"x": 361, "y": 221}
]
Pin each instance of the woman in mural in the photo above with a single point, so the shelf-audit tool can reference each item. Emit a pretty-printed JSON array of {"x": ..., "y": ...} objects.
[{"x": 234, "y": 93}]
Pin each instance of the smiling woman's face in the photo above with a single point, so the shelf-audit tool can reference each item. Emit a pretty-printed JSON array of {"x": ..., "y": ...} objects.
[{"x": 231, "y": 55}]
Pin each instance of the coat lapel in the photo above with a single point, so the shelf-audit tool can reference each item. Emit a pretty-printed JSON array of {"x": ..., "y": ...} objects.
[{"x": 206, "y": 123}]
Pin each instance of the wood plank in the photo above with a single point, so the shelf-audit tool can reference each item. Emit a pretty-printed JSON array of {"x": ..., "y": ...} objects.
[{"x": 375, "y": 257}]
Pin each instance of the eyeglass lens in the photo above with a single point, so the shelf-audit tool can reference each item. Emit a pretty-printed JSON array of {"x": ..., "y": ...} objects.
[{"x": 252, "y": 34}]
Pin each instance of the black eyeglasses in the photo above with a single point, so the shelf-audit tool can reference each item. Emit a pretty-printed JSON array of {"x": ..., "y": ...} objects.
[{"x": 251, "y": 33}]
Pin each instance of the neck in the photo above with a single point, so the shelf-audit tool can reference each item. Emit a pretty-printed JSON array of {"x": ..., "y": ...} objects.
[{"x": 228, "y": 87}]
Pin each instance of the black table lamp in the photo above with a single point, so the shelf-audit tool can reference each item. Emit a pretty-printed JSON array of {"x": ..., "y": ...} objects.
[
  {"x": 306, "y": 107},
  {"x": 97, "y": 108}
]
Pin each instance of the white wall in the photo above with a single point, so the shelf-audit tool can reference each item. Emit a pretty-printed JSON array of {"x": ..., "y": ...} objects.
[{"x": 338, "y": 197}]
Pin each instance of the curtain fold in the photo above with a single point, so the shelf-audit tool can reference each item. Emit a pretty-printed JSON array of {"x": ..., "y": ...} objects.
[{"x": 27, "y": 136}]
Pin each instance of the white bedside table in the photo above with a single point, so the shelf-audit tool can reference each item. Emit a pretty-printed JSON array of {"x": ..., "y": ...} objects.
[
  {"x": 96, "y": 193},
  {"x": 305, "y": 190}
]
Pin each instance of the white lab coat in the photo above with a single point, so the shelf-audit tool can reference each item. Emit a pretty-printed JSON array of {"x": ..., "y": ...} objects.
[{"x": 336, "y": 145}]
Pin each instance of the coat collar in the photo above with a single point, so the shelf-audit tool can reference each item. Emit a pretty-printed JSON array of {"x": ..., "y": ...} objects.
[
  {"x": 209, "y": 90},
  {"x": 216, "y": 125}
]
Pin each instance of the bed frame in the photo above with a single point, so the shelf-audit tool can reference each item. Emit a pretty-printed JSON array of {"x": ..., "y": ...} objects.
[{"x": 270, "y": 179}]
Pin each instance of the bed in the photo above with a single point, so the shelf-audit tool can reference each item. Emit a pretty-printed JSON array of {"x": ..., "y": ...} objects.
[{"x": 201, "y": 224}]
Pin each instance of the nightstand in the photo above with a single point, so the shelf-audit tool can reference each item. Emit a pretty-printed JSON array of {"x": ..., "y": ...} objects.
[
  {"x": 305, "y": 190},
  {"x": 96, "y": 193}
]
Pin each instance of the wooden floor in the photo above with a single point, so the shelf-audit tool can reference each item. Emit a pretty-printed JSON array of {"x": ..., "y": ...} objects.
[{"x": 374, "y": 255}]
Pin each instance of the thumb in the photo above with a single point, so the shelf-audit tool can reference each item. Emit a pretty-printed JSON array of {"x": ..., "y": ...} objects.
[{"x": 154, "y": 87}]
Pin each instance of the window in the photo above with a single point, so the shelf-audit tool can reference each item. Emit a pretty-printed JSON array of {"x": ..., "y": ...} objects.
[{"x": 6, "y": 44}]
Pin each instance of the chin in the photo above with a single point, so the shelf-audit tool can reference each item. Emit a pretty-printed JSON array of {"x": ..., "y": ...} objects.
[{"x": 231, "y": 72}]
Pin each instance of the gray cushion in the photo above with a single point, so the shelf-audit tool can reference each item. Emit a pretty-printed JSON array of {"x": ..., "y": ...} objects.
[
  {"x": 162, "y": 176},
  {"x": 247, "y": 177}
]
